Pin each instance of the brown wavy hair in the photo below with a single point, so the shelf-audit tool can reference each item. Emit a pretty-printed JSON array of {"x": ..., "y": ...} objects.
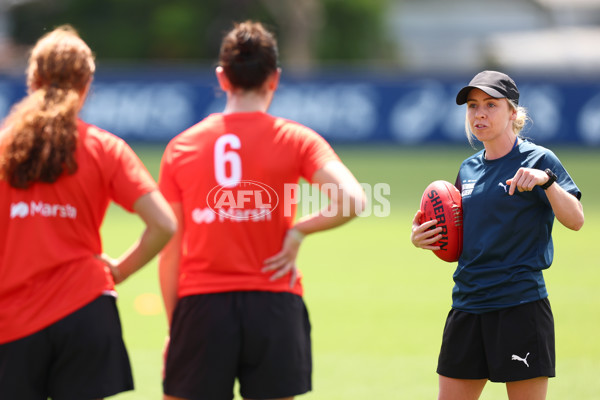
[{"x": 40, "y": 137}]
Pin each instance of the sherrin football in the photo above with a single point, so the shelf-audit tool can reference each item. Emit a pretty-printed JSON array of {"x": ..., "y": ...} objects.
[{"x": 442, "y": 201}]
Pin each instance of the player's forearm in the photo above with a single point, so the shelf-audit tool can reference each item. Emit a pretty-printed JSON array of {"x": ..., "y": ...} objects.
[
  {"x": 346, "y": 196},
  {"x": 567, "y": 208},
  {"x": 168, "y": 271},
  {"x": 344, "y": 206},
  {"x": 143, "y": 251},
  {"x": 160, "y": 227},
  {"x": 168, "y": 264}
]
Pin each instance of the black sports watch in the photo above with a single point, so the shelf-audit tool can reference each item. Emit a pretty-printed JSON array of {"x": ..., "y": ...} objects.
[{"x": 551, "y": 178}]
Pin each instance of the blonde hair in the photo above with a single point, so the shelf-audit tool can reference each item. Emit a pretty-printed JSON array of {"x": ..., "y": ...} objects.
[
  {"x": 41, "y": 130},
  {"x": 517, "y": 125}
]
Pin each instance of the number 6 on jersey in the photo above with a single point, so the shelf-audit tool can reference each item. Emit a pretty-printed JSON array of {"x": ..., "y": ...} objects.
[{"x": 224, "y": 158}]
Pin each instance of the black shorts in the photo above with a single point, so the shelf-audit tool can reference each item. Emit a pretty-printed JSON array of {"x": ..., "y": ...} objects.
[
  {"x": 260, "y": 338},
  {"x": 507, "y": 345},
  {"x": 81, "y": 356}
]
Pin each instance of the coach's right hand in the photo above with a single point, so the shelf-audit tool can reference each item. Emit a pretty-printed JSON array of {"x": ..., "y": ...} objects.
[{"x": 422, "y": 234}]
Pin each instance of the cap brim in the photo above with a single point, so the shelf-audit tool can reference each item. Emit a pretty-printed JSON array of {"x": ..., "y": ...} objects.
[{"x": 461, "y": 97}]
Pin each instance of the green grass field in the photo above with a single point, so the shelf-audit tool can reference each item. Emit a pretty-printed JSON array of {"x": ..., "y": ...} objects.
[{"x": 378, "y": 304}]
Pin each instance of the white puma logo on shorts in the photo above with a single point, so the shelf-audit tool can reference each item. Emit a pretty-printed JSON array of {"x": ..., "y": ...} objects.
[{"x": 524, "y": 360}]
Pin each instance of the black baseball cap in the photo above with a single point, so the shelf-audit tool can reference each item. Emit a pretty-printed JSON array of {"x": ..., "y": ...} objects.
[{"x": 494, "y": 83}]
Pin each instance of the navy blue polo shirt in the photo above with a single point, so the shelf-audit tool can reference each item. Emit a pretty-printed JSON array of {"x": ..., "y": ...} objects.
[{"x": 507, "y": 239}]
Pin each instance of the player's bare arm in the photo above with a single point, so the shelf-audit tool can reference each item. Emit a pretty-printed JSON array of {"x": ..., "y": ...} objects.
[
  {"x": 160, "y": 226},
  {"x": 168, "y": 264},
  {"x": 284, "y": 262},
  {"x": 567, "y": 208},
  {"x": 346, "y": 203}
]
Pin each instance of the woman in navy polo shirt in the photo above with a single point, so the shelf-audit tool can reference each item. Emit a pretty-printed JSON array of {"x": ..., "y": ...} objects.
[{"x": 500, "y": 327}]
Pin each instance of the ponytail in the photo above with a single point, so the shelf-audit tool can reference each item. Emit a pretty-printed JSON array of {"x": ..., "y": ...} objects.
[{"x": 40, "y": 137}]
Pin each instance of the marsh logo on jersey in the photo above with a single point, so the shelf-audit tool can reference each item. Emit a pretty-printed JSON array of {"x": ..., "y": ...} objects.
[
  {"x": 203, "y": 215},
  {"x": 20, "y": 210},
  {"x": 47, "y": 210}
]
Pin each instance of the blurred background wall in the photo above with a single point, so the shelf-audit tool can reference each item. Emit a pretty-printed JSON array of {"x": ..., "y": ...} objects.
[{"x": 354, "y": 70}]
